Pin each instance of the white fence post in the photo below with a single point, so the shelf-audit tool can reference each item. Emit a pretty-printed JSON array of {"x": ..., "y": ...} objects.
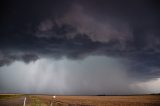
[{"x": 24, "y": 103}]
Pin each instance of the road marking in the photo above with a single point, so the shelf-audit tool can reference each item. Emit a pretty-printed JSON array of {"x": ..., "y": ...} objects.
[{"x": 24, "y": 103}]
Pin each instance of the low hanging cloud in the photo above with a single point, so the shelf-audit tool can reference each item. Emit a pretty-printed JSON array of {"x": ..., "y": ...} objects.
[{"x": 7, "y": 59}]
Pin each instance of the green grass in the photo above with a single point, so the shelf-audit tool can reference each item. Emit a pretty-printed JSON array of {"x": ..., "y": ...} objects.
[
  {"x": 34, "y": 101},
  {"x": 9, "y": 96}
]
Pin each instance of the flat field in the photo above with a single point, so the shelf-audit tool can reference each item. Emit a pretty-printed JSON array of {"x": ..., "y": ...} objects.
[{"x": 47, "y": 100}]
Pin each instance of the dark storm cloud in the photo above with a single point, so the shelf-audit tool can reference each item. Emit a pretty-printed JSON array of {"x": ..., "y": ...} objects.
[
  {"x": 6, "y": 59},
  {"x": 77, "y": 29}
]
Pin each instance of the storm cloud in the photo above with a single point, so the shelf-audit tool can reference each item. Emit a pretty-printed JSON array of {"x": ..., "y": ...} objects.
[{"x": 124, "y": 34}]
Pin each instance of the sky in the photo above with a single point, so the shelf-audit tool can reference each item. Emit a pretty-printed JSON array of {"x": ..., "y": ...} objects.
[{"x": 80, "y": 47}]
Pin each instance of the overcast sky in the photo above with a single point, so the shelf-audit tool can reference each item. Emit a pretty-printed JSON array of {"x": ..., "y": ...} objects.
[{"x": 80, "y": 47}]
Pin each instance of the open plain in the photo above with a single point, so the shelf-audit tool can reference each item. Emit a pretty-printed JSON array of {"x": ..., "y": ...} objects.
[{"x": 48, "y": 100}]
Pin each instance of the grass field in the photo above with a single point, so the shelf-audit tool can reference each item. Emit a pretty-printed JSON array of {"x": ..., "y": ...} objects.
[{"x": 45, "y": 100}]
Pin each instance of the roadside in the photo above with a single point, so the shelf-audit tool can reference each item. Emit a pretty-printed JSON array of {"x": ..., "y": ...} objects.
[{"x": 11, "y": 100}]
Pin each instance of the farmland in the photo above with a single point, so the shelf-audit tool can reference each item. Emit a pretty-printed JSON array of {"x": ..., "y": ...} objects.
[{"x": 47, "y": 100}]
